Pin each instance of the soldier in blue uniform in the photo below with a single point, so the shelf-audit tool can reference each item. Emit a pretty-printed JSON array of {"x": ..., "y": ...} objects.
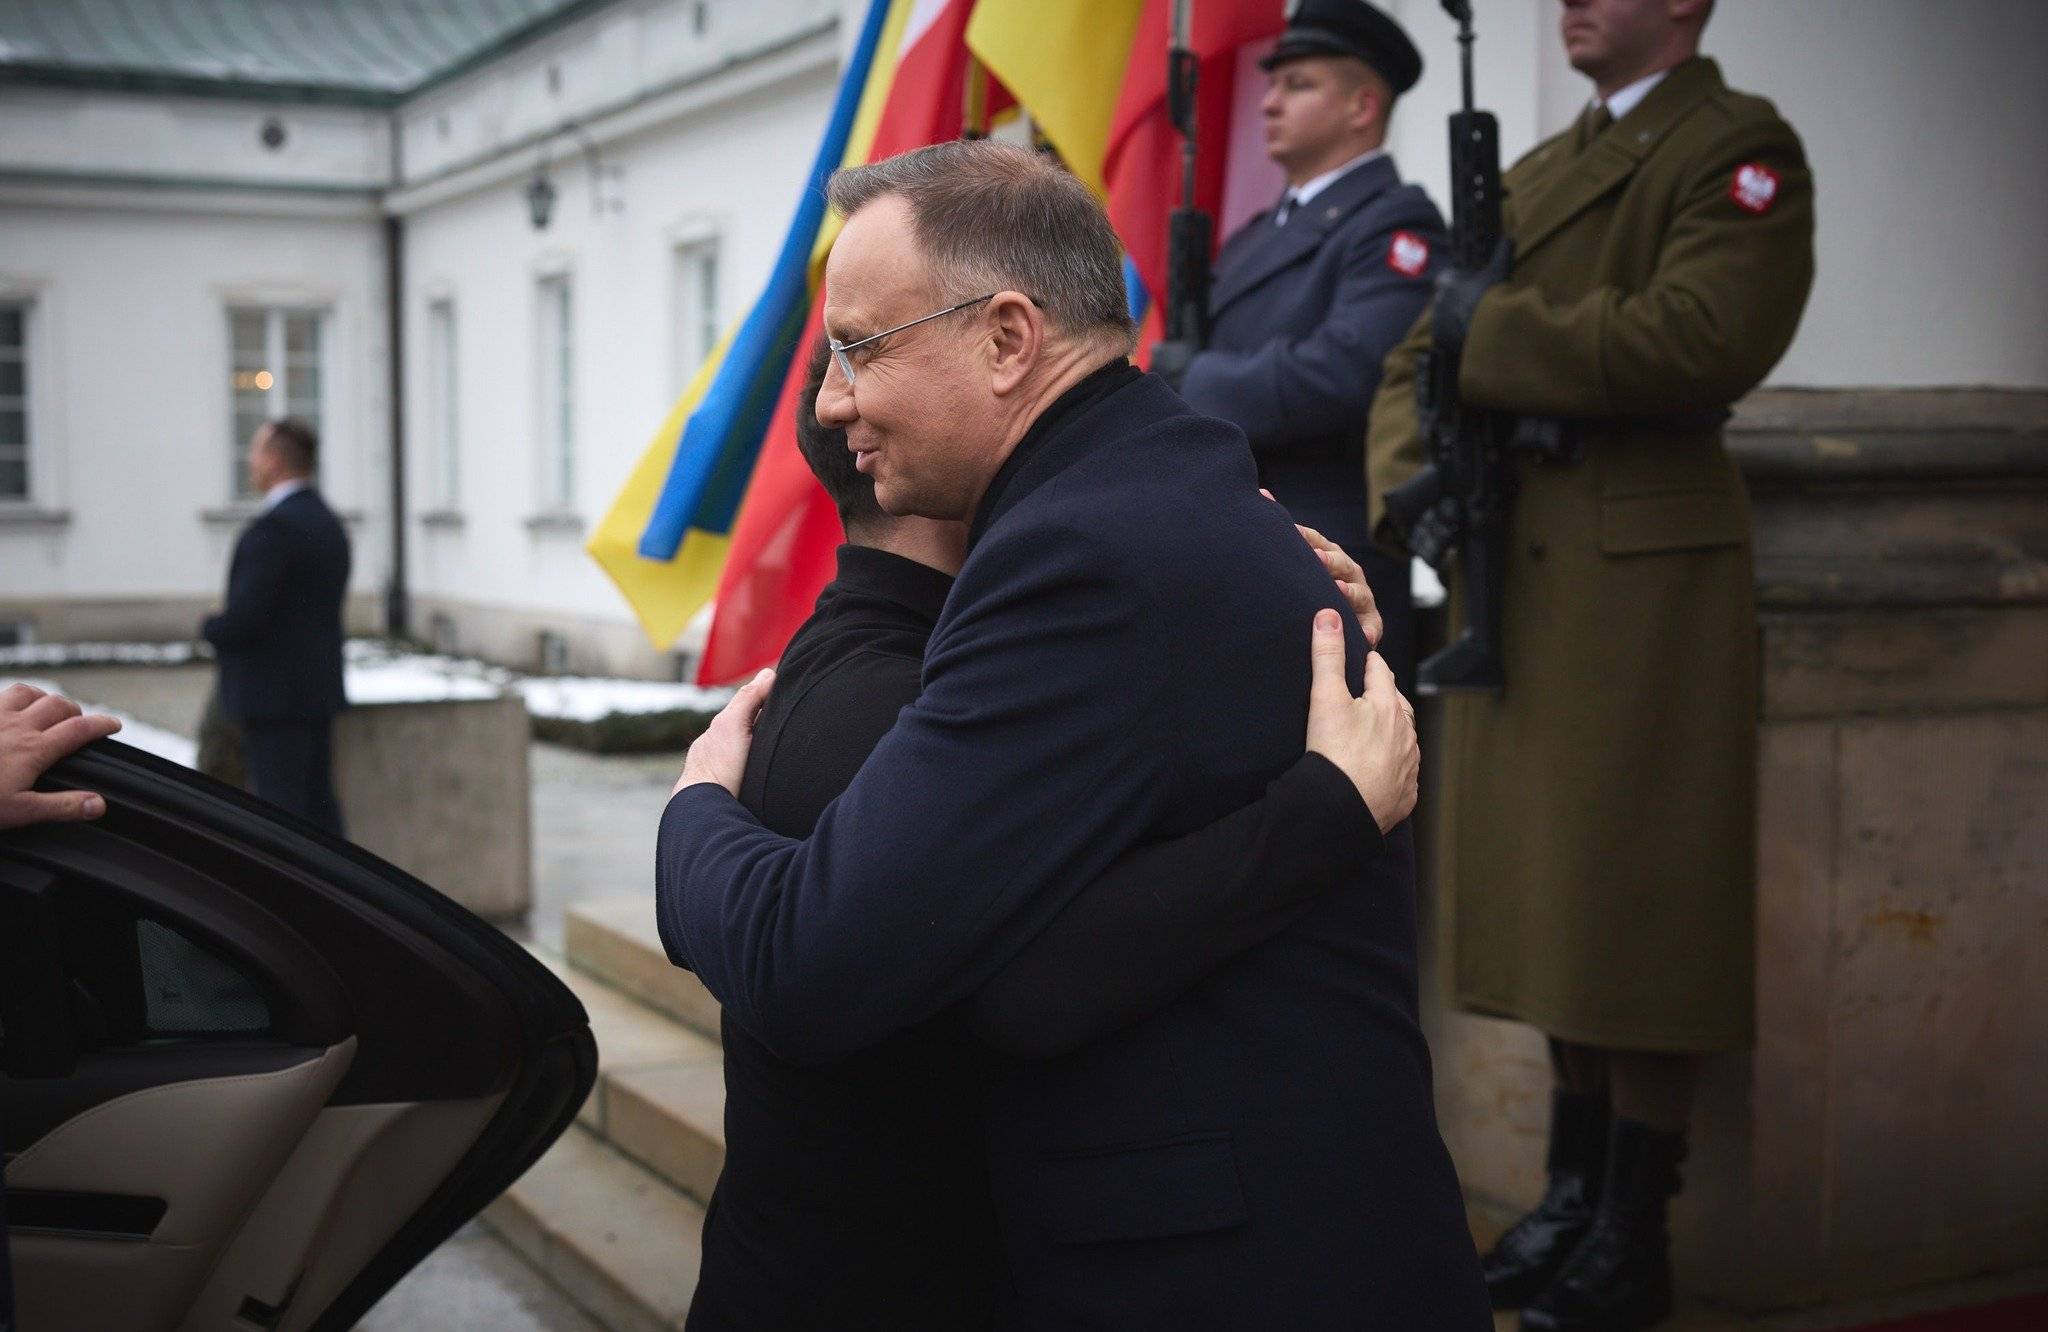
[{"x": 1312, "y": 294}]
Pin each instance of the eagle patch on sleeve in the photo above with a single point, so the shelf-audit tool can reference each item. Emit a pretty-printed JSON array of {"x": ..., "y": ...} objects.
[
  {"x": 1408, "y": 255},
  {"x": 1754, "y": 188}
]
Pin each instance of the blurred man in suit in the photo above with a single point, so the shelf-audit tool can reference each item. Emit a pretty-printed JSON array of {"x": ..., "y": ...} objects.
[
  {"x": 278, "y": 639},
  {"x": 1311, "y": 295}
]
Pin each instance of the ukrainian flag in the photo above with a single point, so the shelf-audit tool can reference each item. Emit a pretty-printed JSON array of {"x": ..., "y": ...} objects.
[{"x": 665, "y": 538}]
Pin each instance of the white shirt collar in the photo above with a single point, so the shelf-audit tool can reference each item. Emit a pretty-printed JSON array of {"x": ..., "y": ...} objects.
[
  {"x": 1301, "y": 194},
  {"x": 283, "y": 491},
  {"x": 1628, "y": 99}
]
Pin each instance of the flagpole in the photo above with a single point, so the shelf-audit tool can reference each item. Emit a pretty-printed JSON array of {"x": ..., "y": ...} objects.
[
  {"x": 974, "y": 111},
  {"x": 1190, "y": 233}
]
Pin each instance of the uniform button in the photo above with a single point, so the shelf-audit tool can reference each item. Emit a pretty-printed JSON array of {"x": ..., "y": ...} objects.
[{"x": 1536, "y": 550}]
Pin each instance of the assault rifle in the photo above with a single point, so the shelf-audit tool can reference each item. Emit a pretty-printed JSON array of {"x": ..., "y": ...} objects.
[{"x": 1463, "y": 498}]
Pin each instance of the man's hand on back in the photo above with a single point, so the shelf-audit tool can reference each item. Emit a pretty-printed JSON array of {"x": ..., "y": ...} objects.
[
  {"x": 720, "y": 754},
  {"x": 36, "y": 730},
  {"x": 1350, "y": 581},
  {"x": 1371, "y": 738}
]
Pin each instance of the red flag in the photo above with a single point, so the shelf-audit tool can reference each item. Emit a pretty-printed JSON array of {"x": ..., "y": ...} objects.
[
  {"x": 787, "y": 531},
  {"x": 1143, "y": 165}
]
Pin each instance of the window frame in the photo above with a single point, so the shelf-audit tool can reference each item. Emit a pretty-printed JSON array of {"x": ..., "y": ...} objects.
[
  {"x": 555, "y": 390},
  {"x": 277, "y": 396},
  {"x": 443, "y": 406},
  {"x": 696, "y": 320},
  {"x": 28, "y": 403}
]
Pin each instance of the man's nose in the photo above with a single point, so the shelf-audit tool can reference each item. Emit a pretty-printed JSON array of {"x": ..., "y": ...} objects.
[{"x": 835, "y": 399}]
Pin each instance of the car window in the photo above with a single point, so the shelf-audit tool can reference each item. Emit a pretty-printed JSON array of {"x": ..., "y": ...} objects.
[
  {"x": 188, "y": 991},
  {"x": 128, "y": 979}
]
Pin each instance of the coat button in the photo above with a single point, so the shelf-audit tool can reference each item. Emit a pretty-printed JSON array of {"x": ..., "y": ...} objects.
[{"x": 1536, "y": 551}]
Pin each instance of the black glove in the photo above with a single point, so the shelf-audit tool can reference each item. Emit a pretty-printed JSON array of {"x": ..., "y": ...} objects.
[
  {"x": 1170, "y": 361},
  {"x": 1458, "y": 291}
]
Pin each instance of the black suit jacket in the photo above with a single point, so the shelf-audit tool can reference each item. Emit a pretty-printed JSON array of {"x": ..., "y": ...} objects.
[
  {"x": 1122, "y": 659},
  {"x": 278, "y": 638}
]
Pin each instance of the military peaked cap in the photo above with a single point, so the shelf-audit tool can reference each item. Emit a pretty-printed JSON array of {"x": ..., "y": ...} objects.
[{"x": 1352, "y": 28}]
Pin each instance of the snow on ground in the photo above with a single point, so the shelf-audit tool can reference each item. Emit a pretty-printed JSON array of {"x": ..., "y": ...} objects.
[
  {"x": 586, "y": 698},
  {"x": 376, "y": 673},
  {"x": 155, "y": 739},
  {"x": 401, "y": 680},
  {"x": 384, "y": 676},
  {"x": 102, "y": 654}
]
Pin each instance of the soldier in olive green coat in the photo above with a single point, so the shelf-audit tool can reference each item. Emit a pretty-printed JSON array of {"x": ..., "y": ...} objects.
[{"x": 1598, "y": 841}]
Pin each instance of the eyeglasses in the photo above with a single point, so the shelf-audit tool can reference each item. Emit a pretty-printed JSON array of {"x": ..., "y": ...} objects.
[{"x": 845, "y": 362}]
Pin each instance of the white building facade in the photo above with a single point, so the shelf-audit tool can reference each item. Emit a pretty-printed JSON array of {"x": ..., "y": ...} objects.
[{"x": 176, "y": 264}]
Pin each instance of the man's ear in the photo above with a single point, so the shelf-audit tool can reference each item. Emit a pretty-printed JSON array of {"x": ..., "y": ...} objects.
[
  {"x": 1368, "y": 103},
  {"x": 1016, "y": 339}
]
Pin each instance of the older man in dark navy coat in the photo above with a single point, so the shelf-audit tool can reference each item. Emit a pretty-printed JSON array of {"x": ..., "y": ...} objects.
[
  {"x": 278, "y": 637},
  {"x": 1311, "y": 295},
  {"x": 1119, "y": 661}
]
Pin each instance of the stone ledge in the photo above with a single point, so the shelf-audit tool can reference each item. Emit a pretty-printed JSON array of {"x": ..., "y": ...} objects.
[
  {"x": 29, "y": 515},
  {"x": 555, "y": 524},
  {"x": 1853, "y": 410},
  {"x": 240, "y": 512}
]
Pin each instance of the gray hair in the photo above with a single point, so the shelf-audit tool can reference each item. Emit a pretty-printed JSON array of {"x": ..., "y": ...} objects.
[{"x": 993, "y": 217}]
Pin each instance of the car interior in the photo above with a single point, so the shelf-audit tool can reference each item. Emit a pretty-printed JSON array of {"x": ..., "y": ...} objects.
[{"x": 250, "y": 1074}]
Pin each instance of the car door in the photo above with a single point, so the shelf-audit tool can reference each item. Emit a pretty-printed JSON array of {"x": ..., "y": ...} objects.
[{"x": 252, "y": 1074}]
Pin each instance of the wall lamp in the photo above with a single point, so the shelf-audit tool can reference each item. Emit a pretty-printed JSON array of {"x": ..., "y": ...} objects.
[{"x": 541, "y": 192}]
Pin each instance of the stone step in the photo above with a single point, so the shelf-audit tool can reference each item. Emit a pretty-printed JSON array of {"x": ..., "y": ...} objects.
[
  {"x": 617, "y": 1239},
  {"x": 660, "y": 1091},
  {"x": 616, "y": 940}
]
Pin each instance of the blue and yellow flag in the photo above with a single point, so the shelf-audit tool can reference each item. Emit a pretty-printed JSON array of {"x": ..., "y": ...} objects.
[{"x": 664, "y": 540}]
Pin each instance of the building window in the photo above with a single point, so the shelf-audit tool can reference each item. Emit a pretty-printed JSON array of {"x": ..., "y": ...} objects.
[
  {"x": 553, "y": 651},
  {"x": 696, "y": 305},
  {"x": 14, "y": 401},
  {"x": 443, "y": 443},
  {"x": 557, "y": 402},
  {"x": 277, "y": 370}
]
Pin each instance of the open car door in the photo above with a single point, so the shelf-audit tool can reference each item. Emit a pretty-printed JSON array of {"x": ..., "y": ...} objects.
[{"x": 252, "y": 1074}]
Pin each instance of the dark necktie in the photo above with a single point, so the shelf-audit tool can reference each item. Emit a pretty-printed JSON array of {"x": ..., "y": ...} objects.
[
  {"x": 1596, "y": 119},
  {"x": 1286, "y": 207}
]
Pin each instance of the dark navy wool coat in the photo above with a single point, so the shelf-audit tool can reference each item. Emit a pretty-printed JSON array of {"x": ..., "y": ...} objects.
[
  {"x": 1123, "y": 658},
  {"x": 278, "y": 638}
]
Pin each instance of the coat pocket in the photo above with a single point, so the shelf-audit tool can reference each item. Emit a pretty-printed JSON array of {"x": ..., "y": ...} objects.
[
  {"x": 1672, "y": 520},
  {"x": 1180, "y": 1186}
]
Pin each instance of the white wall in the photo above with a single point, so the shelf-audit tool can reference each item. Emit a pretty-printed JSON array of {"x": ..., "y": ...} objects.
[
  {"x": 131, "y": 386},
  {"x": 75, "y": 133},
  {"x": 1927, "y": 128},
  {"x": 590, "y": 69},
  {"x": 731, "y": 168}
]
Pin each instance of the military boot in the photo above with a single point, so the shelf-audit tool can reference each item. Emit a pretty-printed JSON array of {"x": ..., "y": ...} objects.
[
  {"x": 1619, "y": 1278},
  {"x": 1523, "y": 1261}
]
